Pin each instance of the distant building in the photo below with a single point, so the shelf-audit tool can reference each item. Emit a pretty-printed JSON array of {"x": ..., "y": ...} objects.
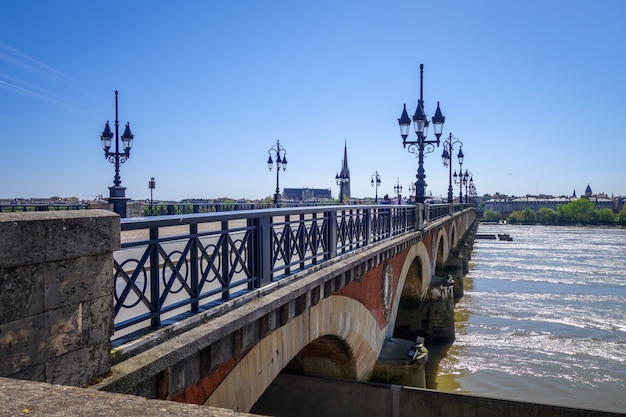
[
  {"x": 506, "y": 205},
  {"x": 306, "y": 194}
]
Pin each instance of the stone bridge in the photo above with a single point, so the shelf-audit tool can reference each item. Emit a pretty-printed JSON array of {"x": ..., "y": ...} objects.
[{"x": 383, "y": 278}]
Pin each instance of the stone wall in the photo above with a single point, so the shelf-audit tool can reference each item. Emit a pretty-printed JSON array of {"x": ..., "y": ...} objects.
[
  {"x": 291, "y": 395},
  {"x": 56, "y": 297},
  {"x": 133, "y": 208}
]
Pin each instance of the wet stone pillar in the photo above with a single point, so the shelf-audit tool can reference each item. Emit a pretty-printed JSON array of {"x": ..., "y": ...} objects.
[
  {"x": 455, "y": 268},
  {"x": 438, "y": 312},
  {"x": 430, "y": 316}
]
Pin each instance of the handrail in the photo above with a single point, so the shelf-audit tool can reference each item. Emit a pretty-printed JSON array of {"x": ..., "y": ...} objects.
[{"x": 174, "y": 266}]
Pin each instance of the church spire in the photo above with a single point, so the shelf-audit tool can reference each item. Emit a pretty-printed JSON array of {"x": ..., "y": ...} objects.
[
  {"x": 344, "y": 167},
  {"x": 343, "y": 179}
]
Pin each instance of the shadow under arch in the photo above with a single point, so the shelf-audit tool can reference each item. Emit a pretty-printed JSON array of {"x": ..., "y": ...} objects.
[
  {"x": 327, "y": 356},
  {"x": 412, "y": 286},
  {"x": 338, "y": 323}
]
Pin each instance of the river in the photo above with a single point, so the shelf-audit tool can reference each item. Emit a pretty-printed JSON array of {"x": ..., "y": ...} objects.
[{"x": 543, "y": 319}]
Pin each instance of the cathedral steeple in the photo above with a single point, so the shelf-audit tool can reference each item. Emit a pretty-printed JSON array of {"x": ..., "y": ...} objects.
[{"x": 343, "y": 178}]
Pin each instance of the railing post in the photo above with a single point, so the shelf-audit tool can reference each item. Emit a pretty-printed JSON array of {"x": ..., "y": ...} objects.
[
  {"x": 155, "y": 293},
  {"x": 421, "y": 209},
  {"x": 261, "y": 250},
  {"x": 225, "y": 260},
  {"x": 301, "y": 239},
  {"x": 331, "y": 234},
  {"x": 287, "y": 244},
  {"x": 193, "y": 258},
  {"x": 367, "y": 216}
]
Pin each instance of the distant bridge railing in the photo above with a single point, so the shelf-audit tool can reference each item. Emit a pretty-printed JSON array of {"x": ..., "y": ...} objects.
[
  {"x": 170, "y": 267},
  {"x": 164, "y": 209}
]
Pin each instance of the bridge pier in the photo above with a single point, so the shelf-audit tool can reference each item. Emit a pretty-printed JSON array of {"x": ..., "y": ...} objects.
[
  {"x": 401, "y": 362},
  {"x": 432, "y": 316},
  {"x": 456, "y": 268}
]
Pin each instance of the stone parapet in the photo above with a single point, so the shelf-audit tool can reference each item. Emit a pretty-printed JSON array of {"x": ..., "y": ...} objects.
[
  {"x": 56, "y": 297},
  {"x": 21, "y": 398}
]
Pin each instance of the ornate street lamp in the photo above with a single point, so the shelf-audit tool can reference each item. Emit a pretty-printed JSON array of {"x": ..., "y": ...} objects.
[
  {"x": 397, "y": 188},
  {"x": 446, "y": 158},
  {"x": 117, "y": 193},
  {"x": 281, "y": 162},
  {"x": 420, "y": 123},
  {"x": 376, "y": 182},
  {"x": 412, "y": 188},
  {"x": 461, "y": 180},
  {"x": 468, "y": 183},
  {"x": 472, "y": 190}
]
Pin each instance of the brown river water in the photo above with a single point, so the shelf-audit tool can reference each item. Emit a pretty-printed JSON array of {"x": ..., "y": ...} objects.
[{"x": 543, "y": 319}]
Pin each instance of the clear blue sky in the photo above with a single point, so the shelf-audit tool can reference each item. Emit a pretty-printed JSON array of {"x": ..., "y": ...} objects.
[{"x": 535, "y": 90}]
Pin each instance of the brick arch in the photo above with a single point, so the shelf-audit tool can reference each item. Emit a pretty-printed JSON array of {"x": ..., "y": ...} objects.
[
  {"x": 413, "y": 281},
  {"x": 454, "y": 235},
  {"x": 442, "y": 250},
  {"x": 341, "y": 320}
]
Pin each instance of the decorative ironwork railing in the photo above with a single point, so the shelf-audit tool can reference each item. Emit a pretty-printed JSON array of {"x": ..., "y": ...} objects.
[{"x": 170, "y": 267}]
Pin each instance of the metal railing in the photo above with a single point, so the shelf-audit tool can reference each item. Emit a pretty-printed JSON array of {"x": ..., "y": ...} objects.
[{"x": 170, "y": 267}]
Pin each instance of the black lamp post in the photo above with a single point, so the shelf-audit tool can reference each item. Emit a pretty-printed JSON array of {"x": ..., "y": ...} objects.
[
  {"x": 281, "y": 162},
  {"x": 468, "y": 183},
  {"x": 412, "y": 188},
  {"x": 397, "y": 188},
  {"x": 376, "y": 182},
  {"x": 420, "y": 123},
  {"x": 151, "y": 186},
  {"x": 117, "y": 193},
  {"x": 446, "y": 158},
  {"x": 472, "y": 190},
  {"x": 461, "y": 179}
]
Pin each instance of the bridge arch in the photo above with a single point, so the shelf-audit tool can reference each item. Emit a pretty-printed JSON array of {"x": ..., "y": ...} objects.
[
  {"x": 454, "y": 235},
  {"x": 413, "y": 284},
  {"x": 337, "y": 321},
  {"x": 442, "y": 250}
]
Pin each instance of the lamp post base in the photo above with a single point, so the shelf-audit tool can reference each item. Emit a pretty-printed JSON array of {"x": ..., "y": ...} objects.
[{"x": 117, "y": 197}]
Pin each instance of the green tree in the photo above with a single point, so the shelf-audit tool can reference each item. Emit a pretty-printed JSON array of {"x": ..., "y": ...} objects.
[
  {"x": 529, "y": 216},
  {"x": 606, "y": 216},
  {"x": 515, "y": 217},
  {"x": 546, "y": 215},
  {"x": 621, "y": 217},
  {"x": 491, "y": 216},
  {"x": 579, "y": 211}
]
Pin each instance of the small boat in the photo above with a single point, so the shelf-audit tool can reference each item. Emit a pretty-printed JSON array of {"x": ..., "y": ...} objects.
[{"x": 505, "y": 236}]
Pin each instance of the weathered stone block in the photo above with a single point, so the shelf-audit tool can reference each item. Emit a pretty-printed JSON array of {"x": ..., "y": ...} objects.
[
  {"x": 78, "y": 280},
  {"x": 29, "y": 238},
  {"x": 19, "y": 344},
  {"x": 56, "y": 299},
  {"x": 21, "y": 292},
  {"x": 98, "y": 320},
  {"x": 78, "y": 367},
  {"x": 64, "y": 331}
]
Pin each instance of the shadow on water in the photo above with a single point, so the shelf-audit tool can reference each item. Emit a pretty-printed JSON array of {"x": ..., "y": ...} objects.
[
  {"x": 446, "y": 381},
  {"x": 436, "y": 353}
]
